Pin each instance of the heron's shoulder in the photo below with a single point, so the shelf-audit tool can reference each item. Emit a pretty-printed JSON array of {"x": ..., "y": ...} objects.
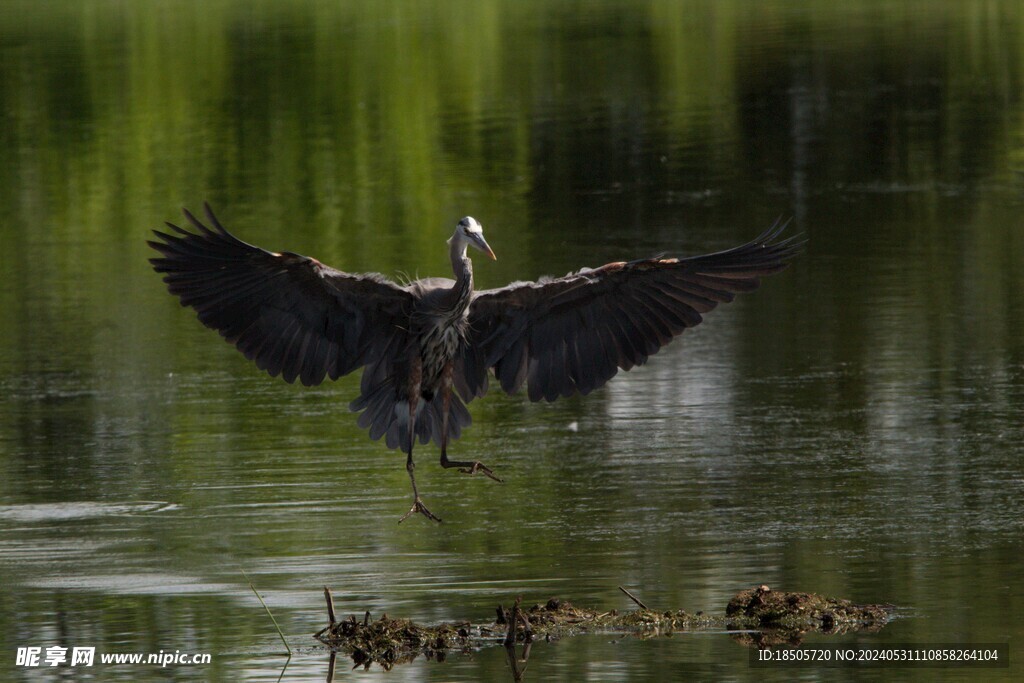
[
  {"x": 427, "y": 286},
  {"x": 540, "y": 284}
]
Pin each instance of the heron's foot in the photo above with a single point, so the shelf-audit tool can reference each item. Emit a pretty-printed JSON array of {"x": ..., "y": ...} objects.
[
  {"x": 469, "y": 467},
  {"x": 418, "y": 506},
  {"x": 478, "y": 466}
]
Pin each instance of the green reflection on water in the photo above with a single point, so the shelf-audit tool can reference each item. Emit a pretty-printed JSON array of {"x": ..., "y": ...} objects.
[{"x": 852, "y": 429}]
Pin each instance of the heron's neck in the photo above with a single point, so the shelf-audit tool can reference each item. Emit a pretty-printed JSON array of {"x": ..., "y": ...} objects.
[{"x": 462, "y": 267}]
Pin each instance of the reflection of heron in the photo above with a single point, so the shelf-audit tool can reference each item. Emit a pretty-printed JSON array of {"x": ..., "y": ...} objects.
[{"x": 298, "y": 318}]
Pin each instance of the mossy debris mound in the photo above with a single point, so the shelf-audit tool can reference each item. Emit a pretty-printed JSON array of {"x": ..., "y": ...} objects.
[
  {"x": 760, "y": 616},
  {"x": 761, "y": 607}
]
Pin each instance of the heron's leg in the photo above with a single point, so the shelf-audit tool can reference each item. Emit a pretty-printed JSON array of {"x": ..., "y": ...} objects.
[
  {"x": 417, "y": 504},
  {"x": 410, "y": 467},
  {"x": 465, "y": 466}
]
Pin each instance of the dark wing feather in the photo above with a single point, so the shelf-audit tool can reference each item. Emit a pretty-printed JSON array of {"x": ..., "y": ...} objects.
[
  {"x": 573, "y": 333},
  {"x": 290, "y": 314}
]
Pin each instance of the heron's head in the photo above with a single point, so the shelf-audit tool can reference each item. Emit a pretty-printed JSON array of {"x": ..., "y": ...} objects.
[{"x": 469, "y": 231}]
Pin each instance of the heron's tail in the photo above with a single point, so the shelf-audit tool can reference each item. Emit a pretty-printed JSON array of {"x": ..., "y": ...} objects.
[{"x": 385, "y": 414}]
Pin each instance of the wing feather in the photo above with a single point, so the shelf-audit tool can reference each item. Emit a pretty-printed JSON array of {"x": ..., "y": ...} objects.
[
  {"x": 572, "y": 334},
  {"x": 629, "y": 355},
  {"x": 290, "y": 314}
]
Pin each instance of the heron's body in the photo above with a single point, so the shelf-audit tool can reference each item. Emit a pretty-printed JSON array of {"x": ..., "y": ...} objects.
[{"x": 430, "y": 347}]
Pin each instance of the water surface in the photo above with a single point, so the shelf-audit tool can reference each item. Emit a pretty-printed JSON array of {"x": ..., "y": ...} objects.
[{"x": 854, "y": 428}]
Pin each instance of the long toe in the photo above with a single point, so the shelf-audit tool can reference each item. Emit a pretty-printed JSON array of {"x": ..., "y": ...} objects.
[
  {"x": 480, "y": 467},
  {"x": 418, "y": 506}
]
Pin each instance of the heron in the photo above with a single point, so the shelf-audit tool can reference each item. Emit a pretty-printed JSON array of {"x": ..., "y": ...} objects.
[{"x": 430, "y": 346}]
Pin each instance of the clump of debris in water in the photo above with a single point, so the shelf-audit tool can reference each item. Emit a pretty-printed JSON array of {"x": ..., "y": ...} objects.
[{"x": 760, "y": 616}]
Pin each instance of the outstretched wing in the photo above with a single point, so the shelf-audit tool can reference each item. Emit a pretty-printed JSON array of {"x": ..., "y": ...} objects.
[
  {"x": 289, "y": 313},
  {"x": 573, "y": 333}
]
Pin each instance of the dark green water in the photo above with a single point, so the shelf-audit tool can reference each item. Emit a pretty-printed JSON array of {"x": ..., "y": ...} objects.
[{"x": 854, "y": 428}]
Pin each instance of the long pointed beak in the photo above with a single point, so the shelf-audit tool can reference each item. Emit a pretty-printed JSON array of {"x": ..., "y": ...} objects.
[{"x": 482, "y": 245}]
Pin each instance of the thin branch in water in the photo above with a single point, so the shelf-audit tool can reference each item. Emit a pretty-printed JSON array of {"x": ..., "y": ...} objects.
[
  {"x": 510, "y": 636},
  {"x": 330, "y": 667},
  {"x": 330, "y": 606},
  {"x": 633, "y": 598},
  {"x": 269, "y": 613}
]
